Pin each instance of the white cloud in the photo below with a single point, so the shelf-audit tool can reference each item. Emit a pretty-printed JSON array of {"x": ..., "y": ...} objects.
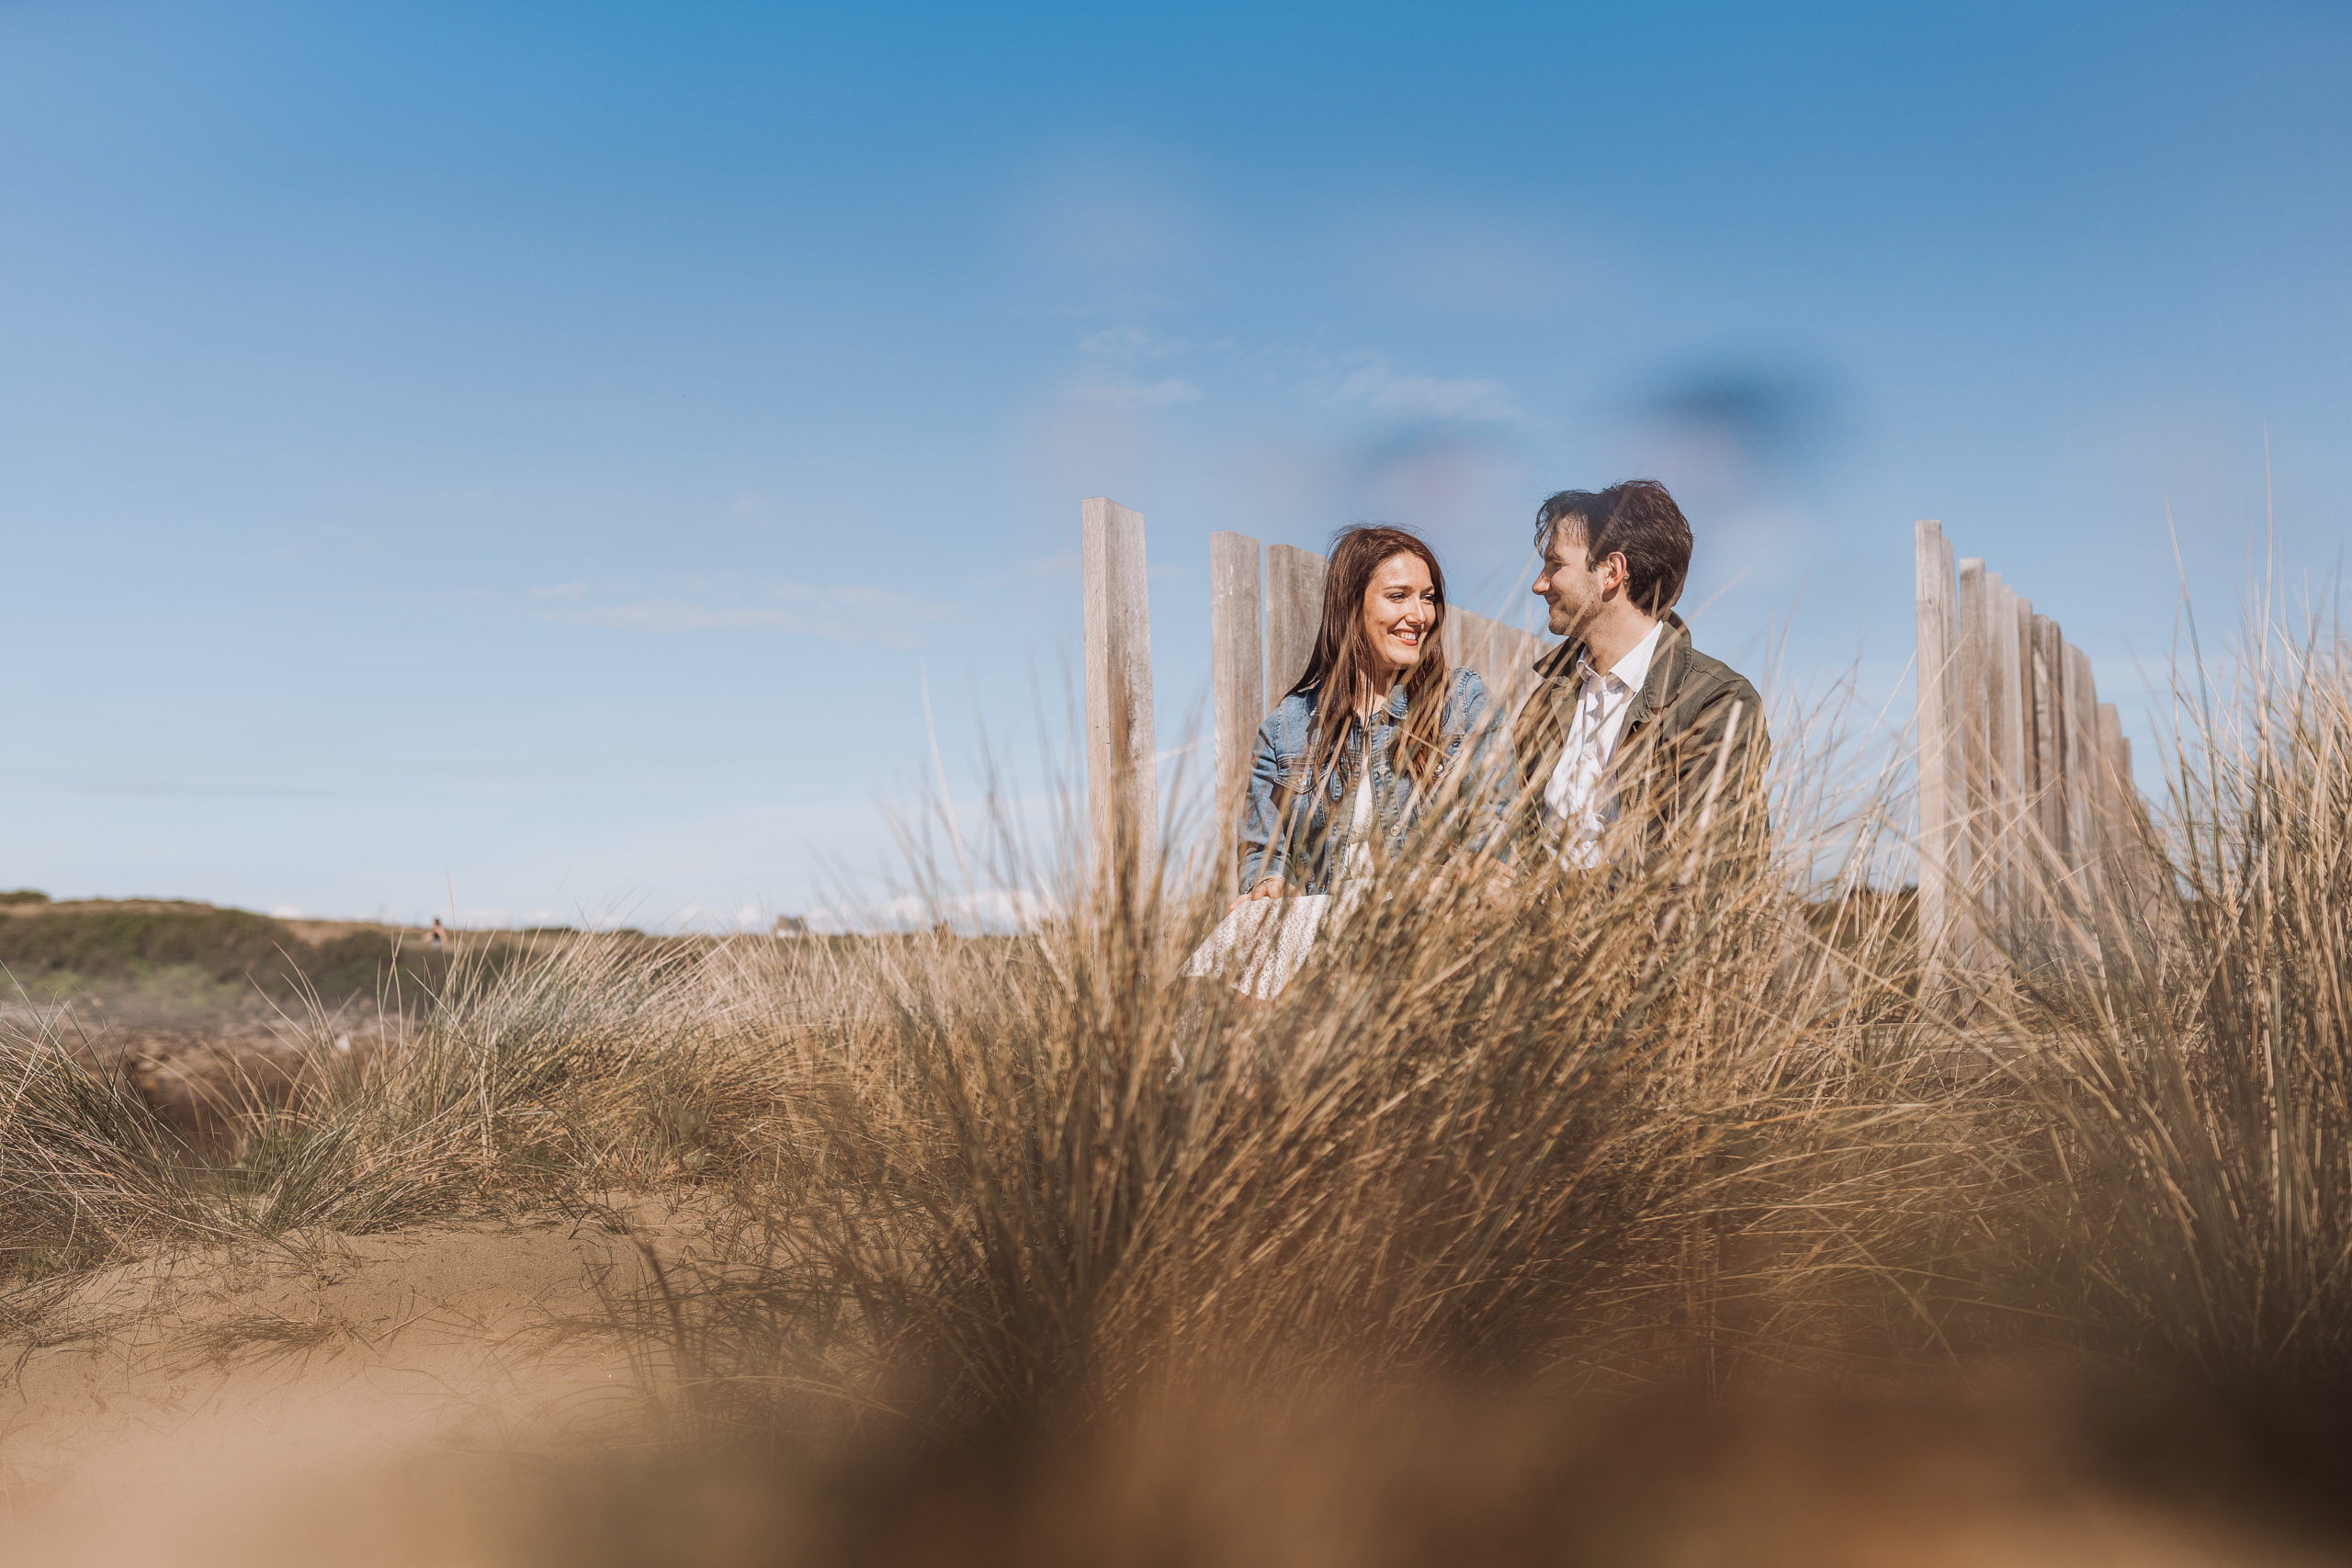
[
  {"x": 1114, "y": 374},
  {"x": 558, "y": 591},
  {"x": 285, "y": 912},
  {"x": 1407, "y": 395}
]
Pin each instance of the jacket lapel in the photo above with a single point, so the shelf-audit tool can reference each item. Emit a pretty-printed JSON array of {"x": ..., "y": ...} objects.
[
  {"x": 1665, "y": 676},
  {"x": 1541, "y": 729}
]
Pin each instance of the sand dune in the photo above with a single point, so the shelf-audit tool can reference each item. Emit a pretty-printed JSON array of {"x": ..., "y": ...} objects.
[{"x": 165, "y": 1410}]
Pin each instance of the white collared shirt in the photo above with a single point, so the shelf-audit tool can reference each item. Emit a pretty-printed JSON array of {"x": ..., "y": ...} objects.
[{"x": 1580, "y": 796}]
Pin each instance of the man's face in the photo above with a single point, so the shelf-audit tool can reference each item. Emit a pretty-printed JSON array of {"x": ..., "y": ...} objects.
[{"x": 1574, "y": 586}]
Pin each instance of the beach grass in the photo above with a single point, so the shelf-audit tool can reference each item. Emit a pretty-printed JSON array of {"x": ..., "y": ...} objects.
[{"x": 1510, "y": 1142}]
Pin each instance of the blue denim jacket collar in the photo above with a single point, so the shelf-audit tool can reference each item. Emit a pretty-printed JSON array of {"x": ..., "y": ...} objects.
[{"x": 1297, "y": 826}]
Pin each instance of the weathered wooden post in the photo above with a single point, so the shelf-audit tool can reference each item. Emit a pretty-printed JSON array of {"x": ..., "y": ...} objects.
[
  {"x": 2049, "y": 744},
  {"x": 1503, "y": 655},
  {"x": 2025, "y": 782},
  {"x": 1470, "y": 640},
  {"x": 2084, "y": 766},
  {"x": 2135, "y": 877},
  {"x": 2005, "y": 720},
  {"x": 2117, "y": 840},
  {"x": 1293, "y": 615},
  {"x": 2115, "y": 759},
  {"x": 1122, "y": 784},
  {"x": 1981, "y": 813},
  {"x": 2029, "y": 747},
  {"x": 1943, "y": 789},
  {"x": 1237, "y": 670},
  {"x": 2073, "y": 674}
]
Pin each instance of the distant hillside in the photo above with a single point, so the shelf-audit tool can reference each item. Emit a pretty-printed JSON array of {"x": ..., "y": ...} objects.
[{"x": 47, "y": 944}]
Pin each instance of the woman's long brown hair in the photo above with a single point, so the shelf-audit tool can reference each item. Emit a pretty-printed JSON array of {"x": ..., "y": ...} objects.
[{"x": 1342, "y": 664}]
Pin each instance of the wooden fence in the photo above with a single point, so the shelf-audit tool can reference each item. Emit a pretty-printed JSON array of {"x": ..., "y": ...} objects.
[
  {"x": 2027, "y": 809},
  {"x": 1265, "y": 607},
  {"x": 2028, "y": 815},
  {"x": 1122, "y": 781}
]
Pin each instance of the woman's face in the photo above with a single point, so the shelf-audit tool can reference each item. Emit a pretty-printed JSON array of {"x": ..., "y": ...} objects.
[{"x": 1399, "y": 610}]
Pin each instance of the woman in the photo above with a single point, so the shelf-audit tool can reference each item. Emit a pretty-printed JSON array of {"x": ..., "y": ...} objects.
[{"x": 1351, "y": 759}]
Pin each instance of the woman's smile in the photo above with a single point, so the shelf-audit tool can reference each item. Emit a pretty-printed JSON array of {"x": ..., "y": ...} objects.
[{"x": 1399, "y": 608}]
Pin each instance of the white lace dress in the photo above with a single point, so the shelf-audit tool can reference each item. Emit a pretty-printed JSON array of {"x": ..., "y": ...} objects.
[{"x": 1261, "y": 943}]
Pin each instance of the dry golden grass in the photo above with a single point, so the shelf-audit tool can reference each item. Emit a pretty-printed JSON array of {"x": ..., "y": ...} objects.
[{"x": 992, "y": 1196}]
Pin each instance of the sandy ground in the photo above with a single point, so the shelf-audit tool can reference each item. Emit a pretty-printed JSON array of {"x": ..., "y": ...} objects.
[
  {"x": 417, "y": 1397},
  {"x": 413, "y": 1399},
  {"x": 178, "y": 1413}
]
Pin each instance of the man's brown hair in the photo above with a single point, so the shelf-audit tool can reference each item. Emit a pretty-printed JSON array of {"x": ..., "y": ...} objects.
[{"x": 1636, "y": 518}]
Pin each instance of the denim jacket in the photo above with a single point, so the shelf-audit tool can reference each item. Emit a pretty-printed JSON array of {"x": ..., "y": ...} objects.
[{"x": 1297, "y": 827}]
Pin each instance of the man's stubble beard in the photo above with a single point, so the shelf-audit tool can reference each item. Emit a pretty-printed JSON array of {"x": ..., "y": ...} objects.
[{"x": 1562, "y": 621}]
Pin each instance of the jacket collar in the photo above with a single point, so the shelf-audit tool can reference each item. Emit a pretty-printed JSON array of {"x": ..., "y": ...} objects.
[
  {"x": 1393, "y": 710},
  {"x": 1673, "y": 653}
]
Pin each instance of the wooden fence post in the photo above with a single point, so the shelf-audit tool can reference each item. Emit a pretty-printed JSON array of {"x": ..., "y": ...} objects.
[
  {"x": 2137, "y": 883},
  {"x": 2115, "y": 755},
  {"x": 2084, "y": 764},
  {"x": 2028, "y": 748},
  {"x": 2049, "y": 744},
  {"x": 2117, "y": 842},
  {"x": 1293, "y": 615},
  {"x": 2074, "y": 671},
  {"x": 1122, "y": 783},
  {"x": 1980, "y": 812},
  {"x": 1503, "y": 655},
  {"x": 2026, "y": 810},
  {"x": 2005, "y": 715},
  {"x": 1236, "y": 669},
  {"x": 1942, "y": 793}
]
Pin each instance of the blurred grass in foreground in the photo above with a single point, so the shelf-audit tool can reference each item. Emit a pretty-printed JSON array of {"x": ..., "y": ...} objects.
[{"x": 1030, "y": 1243}]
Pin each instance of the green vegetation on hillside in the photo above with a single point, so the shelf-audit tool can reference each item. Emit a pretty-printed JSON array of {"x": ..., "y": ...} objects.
[{"x": 195, "y": 947}]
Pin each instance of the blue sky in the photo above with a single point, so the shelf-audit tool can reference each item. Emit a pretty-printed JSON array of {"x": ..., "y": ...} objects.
[{"x": 529, "y": 458}]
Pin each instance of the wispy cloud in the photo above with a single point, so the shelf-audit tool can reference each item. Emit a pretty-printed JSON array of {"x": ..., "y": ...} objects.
[
  {"x": 1130, "y": 344},
  {"x": 1115, "y": 374},
  {"x": 1409, "y": 395},
  {"x": 845, "y": 612},
  {"x": 1135, "y": 394}
]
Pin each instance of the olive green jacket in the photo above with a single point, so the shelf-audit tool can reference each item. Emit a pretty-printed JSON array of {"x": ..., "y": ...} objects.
[{"x": 1671, "y": 753}]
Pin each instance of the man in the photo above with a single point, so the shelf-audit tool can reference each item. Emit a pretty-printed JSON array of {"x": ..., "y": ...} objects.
[{"x": 1634, "y": 746}]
